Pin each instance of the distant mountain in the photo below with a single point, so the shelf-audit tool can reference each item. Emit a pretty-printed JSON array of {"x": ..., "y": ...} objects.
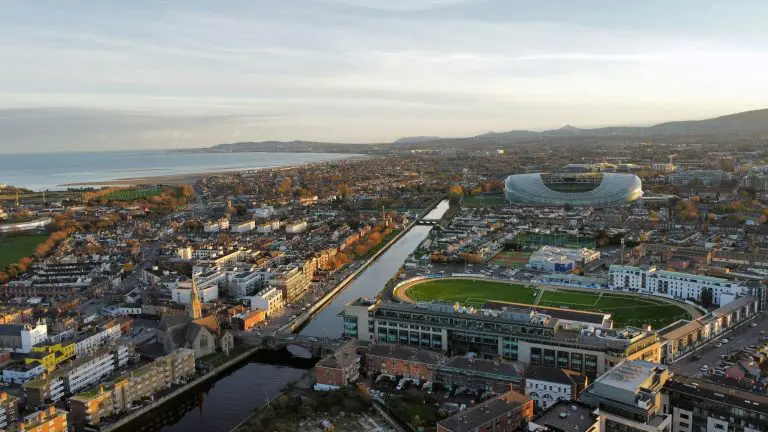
[
  {"x": 746, "y": 123},
  {"x": 416, "y": 139}
]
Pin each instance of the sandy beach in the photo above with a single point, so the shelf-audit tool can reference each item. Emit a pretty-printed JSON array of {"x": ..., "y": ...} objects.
[{"x": 188, "y": 178}]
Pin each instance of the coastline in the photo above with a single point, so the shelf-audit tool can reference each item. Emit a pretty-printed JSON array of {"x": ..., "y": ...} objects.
[{"x": 189, "y": 178}]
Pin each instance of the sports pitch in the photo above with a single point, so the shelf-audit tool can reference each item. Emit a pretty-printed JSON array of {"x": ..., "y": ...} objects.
[
  {"x": 627, "y": 310},
  {"x": 511, "y": 259}
]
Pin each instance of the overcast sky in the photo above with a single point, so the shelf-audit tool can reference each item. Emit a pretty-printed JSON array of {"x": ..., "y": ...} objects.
[{"x": 81, "y": 75}]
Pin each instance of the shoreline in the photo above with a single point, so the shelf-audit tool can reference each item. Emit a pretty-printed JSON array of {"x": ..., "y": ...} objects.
[{"x": 189, "y": 178}]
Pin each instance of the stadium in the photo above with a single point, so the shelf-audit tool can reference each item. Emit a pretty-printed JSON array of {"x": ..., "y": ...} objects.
[{"x": 576, "y": 189}]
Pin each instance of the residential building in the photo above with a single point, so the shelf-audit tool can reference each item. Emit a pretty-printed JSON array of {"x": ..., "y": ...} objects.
[
  {"x": 268, "y": 227},
  {"x": 246, "y": 283},
  {"x": 50, "y": 355},
  {"x": 699, "y": 405},
  {"x": 402, "y": 361},
  {"x": 293, "y": 282},
  {"x": 77, "y": 374},
  {"x": 628, "y": 398},
  {"x": 96, "y": 336},
  {"x": 474, "y": 373},
  {"x": 682, "y": 337},
  {"x": 206, "y": 292},
  {"x": 9, "y": 410},
  {"x": 704, "y": 177},
  {"x": 216, "y": 226},
  {"x": 269, "y": 299},
  {"x": 244, "y": 227},
  {"x": 296, "y": 227},
  {"x": 505, "y": 413},
  {"x": 47, "y": 420},
  {"x": 117, "y": 396},
  {"x": 674, "y": 284},
  {"x": 339, "y": 369},
  {"x": 548, "y": 385},
  {"x": 263, "y": 212},
  {"x": 21, "y": 338},
  {"x": 19, "y": 374},
  {"x": 15, "y": 314}
]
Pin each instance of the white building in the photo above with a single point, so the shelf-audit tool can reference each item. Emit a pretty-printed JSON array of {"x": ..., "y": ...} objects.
[
  {"x": 268, "y": 226},
  {"x": 263, "y": 212},
  {"x": 21, "y": 338},
  {"x": 185, "y": 252},
  {"x": 244, "y": 227},
  {"x": 86, "y": 343},
  {"x": 246, "y": 283},
  {"x": 561, "y": 260},
  {"x": 547, "y": 385},
  {"x": 269, "y": 299},
  {"x": 674, "y": 284},
  {"x": 296, "y": 227},
  {"x": 183, "y": 293},
  {"x": 216, "y": 226},
  {"x": 20, "y": 374}
]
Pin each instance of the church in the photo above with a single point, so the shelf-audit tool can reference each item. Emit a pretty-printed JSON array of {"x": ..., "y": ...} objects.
[{"x": 194, "y": 331}]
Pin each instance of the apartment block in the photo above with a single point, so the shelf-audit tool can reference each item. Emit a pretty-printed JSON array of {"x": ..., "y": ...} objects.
[
  {"x": 293, "y": 283},
  {"x": 21, "y": 338},
  {"x": 50, "y": 355},
  {"x": 674, "y": 284},
  {"x": 118, "y": 396},
  {"x": 9, "y": 410},
  {"x": 50, "y": 419},
  {"x": 77, "y": 374}
]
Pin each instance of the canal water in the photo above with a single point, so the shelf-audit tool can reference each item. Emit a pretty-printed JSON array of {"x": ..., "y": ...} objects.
[
  {"x": 226, "y": 400},
  {"x": 327, "y": 321}
]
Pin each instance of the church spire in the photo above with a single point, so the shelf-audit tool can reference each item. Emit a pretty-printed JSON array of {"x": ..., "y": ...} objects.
[{"x": 195, "y": 309}]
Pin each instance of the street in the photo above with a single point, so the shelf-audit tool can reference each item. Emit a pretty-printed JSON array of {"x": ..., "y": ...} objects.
[{"x": 740, "y": 337}]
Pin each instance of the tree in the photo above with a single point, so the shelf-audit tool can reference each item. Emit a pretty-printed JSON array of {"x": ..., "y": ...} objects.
[
  {"x": 4, "y": 278},
  {"x": 455, "y": 193}
]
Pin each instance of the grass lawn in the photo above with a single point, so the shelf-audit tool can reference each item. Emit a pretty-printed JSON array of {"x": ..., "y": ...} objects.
[
  {"x": 626, "y": 310},
  {"x": 490, "y": 200},
  {"x": 511, "y": 259},
  {"x": 471, "y": 291},
  {"x": 14, "y": 248},
  {"x": 132, "y": 194}
]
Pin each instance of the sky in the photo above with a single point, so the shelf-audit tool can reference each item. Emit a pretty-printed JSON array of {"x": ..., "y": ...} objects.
[{"x": 83, "y": 75}]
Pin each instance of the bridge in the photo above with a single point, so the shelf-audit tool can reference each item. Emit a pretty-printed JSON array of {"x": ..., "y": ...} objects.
[{"x": 308, "y": 346}]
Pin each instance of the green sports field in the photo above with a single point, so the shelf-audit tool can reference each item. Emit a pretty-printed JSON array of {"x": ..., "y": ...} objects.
[
  {"x": 471, "y": 291},
  {"x": 627, "y": 310},
  {"x": 14, "y": 248}
]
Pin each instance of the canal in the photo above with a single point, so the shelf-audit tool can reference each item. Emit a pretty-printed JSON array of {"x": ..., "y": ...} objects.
[
  {"x": 228, "y": 399},
  {"x": 327, "y": 321}
]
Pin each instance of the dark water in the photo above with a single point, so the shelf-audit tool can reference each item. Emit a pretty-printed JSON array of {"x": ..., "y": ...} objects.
[
  {"x": 327, "y": 322},
  {"x": 225, "y": 401}
]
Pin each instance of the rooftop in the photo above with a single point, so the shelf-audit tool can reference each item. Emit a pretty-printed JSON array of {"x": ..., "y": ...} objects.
[
  {"x": 567, "y": 417},
  {"x": 484, "y": 412},
  {"x": 719, "y": 393},
  {"x": 486, "y": 367},
  {"x": 629, "y": 375},
  {"x": 404, "y": 353}
]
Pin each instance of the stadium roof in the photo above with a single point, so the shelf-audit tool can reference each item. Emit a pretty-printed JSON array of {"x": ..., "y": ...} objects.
[{"x": 577, "y": 189}]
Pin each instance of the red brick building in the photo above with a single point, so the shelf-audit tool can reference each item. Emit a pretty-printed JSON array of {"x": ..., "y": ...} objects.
[
  {"x": 402, "y": 361},
  {"x": 248, "y": 320},
  {"x": 505, "y": 413},
  {"x": 338, "y": 369}
]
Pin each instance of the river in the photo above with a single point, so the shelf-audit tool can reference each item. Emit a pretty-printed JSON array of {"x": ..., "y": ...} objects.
[
  {"x": 327, "y": 321},
  {"x": 226, "y": 400}
]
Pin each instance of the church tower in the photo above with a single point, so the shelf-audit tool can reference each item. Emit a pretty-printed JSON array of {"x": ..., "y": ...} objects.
[{"x": 195, "y": 309}]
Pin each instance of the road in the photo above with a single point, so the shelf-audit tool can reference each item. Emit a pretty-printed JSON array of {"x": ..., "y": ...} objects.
[{"x": 739, "y": 338}]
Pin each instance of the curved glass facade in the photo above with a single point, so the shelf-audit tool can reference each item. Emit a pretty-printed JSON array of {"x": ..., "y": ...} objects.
[{"x": 589, "y": 189}]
